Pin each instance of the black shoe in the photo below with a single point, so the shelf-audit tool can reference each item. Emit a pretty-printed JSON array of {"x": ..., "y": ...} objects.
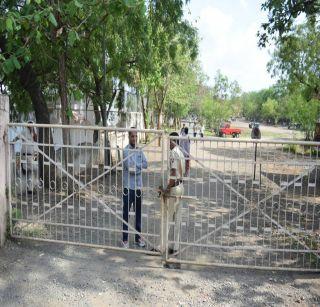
[
  {"x": 154, "y": 250},
  {"x": 172, "y": 251},
  {"x": 173, "y": 266},
  {"x": 166, "y": 266}
]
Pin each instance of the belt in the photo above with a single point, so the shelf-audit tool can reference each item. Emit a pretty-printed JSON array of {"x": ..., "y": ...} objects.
[{"x": 178, "y": 182}]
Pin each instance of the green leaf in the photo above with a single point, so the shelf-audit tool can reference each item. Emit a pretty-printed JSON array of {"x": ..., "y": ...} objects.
[
  {"x": 8, "y": 66},
  {"x": 28, "y": 2},
  {"x": 69, "y": 113},
  {"x": 38, "y": 37},
  {"x": 38, "y": 1},
  {"x": 26, "y": 58},
  {"x": 37, "y": 17},
  {"x": 77, "y": 95},
  {"x": 9, "y": 24},
  {"x": 72, "y": 37},
  {"x": 16, "y": 63},
  {"x": 78, "y": 4},
  {"x": 52, "y": 19},
  {"x": 130, "y": 2}
]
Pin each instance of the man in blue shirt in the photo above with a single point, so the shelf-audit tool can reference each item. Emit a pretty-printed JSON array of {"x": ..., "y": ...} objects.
[{"x": 134, "y": 161}]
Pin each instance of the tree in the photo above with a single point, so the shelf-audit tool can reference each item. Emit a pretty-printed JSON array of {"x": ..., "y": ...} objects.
[
  {"x": 183, "y": 91},
  {"x": 21, "y": 24},
  {"x": 249, "y": 106},
  {"x": 303, "y": 112},
  {"x": 296, "y": 64},
  {"x": 87, "y": 46},
  {"x": 296, "y": 44},
  {"x": 71, "y": 48},
  {"x": 281, "y": 18},
  {"x": 215, "y": 112},
  {"x": 295, "y": 60},
  {"x": 224, "y": 89},
  {"x": 270, "y": 110},
  {"x": 255, "y": 105}
]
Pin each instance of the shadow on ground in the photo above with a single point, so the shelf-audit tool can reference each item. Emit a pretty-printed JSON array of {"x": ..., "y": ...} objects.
[{"x": 43, "y": 274}]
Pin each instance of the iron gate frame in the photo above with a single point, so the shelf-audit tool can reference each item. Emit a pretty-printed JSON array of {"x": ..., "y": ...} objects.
[
  {"x": 247, "y": 203},
  {"x": 83, "y": 186},
  {"x": 164, "y": 225}
]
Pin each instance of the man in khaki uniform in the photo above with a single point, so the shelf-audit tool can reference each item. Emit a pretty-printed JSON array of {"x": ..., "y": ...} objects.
[{"x": 174, "y": 192}]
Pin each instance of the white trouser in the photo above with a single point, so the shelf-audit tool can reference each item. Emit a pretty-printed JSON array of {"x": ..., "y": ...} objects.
[{"x": 173, "y": 207}]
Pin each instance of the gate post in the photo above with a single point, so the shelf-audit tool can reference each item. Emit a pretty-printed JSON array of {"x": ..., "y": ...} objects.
[
  {"x": 163, "y": 204},
  {"x": 4, "y": 163}
]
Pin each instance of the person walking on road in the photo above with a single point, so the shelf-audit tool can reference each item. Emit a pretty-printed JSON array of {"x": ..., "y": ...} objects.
[
  {"x": 185, "y": 147},
  {"x": 194, "y": 130}
]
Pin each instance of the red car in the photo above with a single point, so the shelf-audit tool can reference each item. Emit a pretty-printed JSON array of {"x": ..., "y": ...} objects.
[{"x": 225, "y": 129}]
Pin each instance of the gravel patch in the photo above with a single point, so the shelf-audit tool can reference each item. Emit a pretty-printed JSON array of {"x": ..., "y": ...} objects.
[{"x": 42, "y": 274}]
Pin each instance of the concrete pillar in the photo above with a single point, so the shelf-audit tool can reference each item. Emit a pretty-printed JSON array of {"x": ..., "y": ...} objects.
[{"x": 4, "y": 161}]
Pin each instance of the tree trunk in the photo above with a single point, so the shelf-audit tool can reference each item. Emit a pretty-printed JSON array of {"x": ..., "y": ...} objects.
[
  {"x": 96, "y": 100},
  {"x": 63, "y": 89},
  {"x": 29, "y": 82},
  {"x": 64, "y": 105},
  {"x": 159, "y": 124},
  {"x": 144, "y": 115},
  {"x": 144, "y": 112},
  {"x": 115, "y": 95},
  {"x": 97, "y": 118},
  {"x": 317, "y": 133},
  {"x": 107, "y": 152}
]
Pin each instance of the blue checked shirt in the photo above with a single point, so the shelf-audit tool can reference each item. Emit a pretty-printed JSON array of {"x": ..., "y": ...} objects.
[{"x": 132, "y": 167}]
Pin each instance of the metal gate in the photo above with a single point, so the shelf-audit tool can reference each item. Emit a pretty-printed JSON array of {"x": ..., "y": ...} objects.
[
  {"x": 246, "y": 203},
  {"x": 73, "y": 193},
  {"x": 250, "y": 204}
]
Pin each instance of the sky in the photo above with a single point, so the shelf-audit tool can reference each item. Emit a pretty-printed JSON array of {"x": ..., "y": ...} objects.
[{"x": 228, "y": 40}]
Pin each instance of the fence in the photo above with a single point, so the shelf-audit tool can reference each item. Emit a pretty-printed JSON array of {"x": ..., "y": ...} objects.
[
  {"x": 250, "y": 204},
  {"x": 74, "y": 193},
  {"x": 246, "y": 203}
]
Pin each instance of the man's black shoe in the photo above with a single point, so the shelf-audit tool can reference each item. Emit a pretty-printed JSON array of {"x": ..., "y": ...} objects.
[
  {"x": 171, "y": 251},
  {"x": 174, "y": 266}
]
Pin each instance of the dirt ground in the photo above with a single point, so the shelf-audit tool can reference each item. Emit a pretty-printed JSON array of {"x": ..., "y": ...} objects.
[{"x": 41, "y": 274}]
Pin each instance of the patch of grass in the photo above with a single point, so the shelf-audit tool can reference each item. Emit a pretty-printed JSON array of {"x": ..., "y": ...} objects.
[
  {"x": 31, "y": 230},
  {"x": 293, "y": 135},
  {"x": 301, "y": 150},
  {"x": 16, "y": 213},
  {"x": 292, "y": 148},
  {"x": 209, "y": 133}
]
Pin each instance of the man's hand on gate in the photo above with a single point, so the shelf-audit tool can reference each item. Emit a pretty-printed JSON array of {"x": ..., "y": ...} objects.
[
  {"x": 160, "y": 191},
  {"x": 163, "y": 192}
]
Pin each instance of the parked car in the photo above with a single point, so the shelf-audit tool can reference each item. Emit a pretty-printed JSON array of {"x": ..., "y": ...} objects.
[{"x": 226, "y": 129}]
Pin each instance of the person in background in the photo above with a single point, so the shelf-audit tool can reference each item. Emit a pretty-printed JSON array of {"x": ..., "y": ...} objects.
[
  {"x": 182, "y": 129},
  {"x": 185, "y": 146},
  {"x": 194, "y": 130},
  {"x": 202, "y": 131},
  {"x": 134, "y": 161}
]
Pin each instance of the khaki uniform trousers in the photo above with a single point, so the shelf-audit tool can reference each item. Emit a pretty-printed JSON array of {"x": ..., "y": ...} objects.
[{"x": 174, "y": 214}]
